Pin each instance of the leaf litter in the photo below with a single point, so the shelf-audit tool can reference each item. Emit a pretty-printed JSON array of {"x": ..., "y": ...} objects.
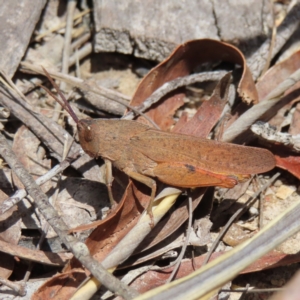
[{"x": 80, "y": 200}]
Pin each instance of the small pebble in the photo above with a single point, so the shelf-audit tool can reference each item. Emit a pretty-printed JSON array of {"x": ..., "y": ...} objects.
[
  {"x": 285, "y": 191},
  {"x": 278, "y": 183}
]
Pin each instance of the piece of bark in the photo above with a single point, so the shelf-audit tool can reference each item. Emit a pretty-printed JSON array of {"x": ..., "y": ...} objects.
[
  {"x": 143, "y": 28},
  {"x": 243, "y": 23},
  {"x": 18, "y": 19}
]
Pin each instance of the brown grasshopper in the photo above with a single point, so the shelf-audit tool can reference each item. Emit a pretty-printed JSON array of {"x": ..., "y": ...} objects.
[{"x": 180, "y": 160}]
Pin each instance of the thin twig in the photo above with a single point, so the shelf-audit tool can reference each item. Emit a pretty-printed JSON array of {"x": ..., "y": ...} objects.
[
  {"x": 81, "y": 53},
  {"x": 252, "y": 290},
  {"x": 60, "y": 26},
  {"x": 21, "y": 193},
  {"x": 236, "y": 215},
  {"x": 46, "y": 226},
  {"x": 66, "y": 51},
  {"x": 89, "y": 87},
  {"x": 245, "y": 292},
  {"x": 173, "y": 85},
  {"x": 261, "y": 206},
  {"x": 81, "y": 41},
  {"x": 80, "y": 250},
  {"x": 186, "y": 241}
]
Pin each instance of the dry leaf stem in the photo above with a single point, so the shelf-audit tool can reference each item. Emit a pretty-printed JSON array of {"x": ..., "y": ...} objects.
[{"x": 66, "y": 51}]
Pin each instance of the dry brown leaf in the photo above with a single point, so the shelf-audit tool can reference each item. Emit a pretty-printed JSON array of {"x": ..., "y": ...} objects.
[
  {"x": 184, "y": 59},
  {"x": 290, "y": 163},
  {"x": 277, "y": 74},
  {"x": 55, "y": 287}
]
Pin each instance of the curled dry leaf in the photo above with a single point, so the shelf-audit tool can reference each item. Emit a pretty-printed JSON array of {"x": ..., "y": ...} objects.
[
  {"x": 54, "y": 287},
  {"x": 184, "y": 60}
]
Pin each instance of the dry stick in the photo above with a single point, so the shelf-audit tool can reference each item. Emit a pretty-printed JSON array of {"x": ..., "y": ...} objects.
[
  {"x": 77, "y": 70},
  {"x": 242, "y": 297},
  {"x": 115, "y": 96},
  {"x": 255, "y": 112},
  {"x": 289, "y": 25},
  {"x": 261, "y": 205},
  {"x": 82, "y": 53},
  {"x": 46, "y": 226},
  {"x": 272, "y": 43},
  {"x": 60, "y": 26},
  {"x": 79, "y": 249},
  {"x": 21, "y": 193},
  {"x": 267, "y": 290},
  {"x": 19, "y": 288},
  {"x": 236, "y": 215},
  {"x": 89, "y": 87},
  {"x": 266, "y": 132},
  {"x": 173, "y": 85},
  {"x": 66, "y": 51},
  {"x": 186, "y": 241},
  {"x": 80, "y": 41},
  {"x": 42, "y": 257}
]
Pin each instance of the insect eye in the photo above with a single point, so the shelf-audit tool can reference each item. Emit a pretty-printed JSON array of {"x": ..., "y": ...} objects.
[{"x": 88, "y": 134}]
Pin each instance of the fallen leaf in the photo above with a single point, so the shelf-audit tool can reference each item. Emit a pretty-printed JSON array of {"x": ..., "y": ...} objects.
[
  {"x": 289, "y": 163},
  {"x": 277, "y": 74},
  {"x": 183, "y": 61}
]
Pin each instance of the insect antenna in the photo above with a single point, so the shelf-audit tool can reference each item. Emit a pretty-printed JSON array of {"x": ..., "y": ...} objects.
[{"x": 63, "y": 101}]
